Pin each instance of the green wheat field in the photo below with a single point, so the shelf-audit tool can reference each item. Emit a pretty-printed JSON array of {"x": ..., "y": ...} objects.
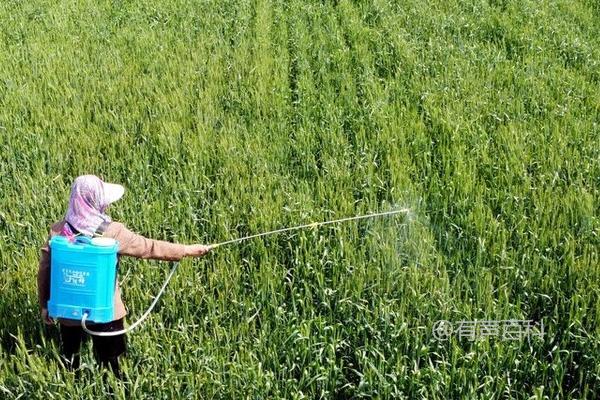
[{"x": 225, "y": 118}]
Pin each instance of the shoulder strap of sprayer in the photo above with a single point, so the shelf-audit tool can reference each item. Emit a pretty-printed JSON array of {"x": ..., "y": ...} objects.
[{"x": 101, "y": 229}]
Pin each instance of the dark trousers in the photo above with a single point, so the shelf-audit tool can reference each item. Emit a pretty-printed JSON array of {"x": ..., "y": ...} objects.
[{"x": 106, "y": 349}]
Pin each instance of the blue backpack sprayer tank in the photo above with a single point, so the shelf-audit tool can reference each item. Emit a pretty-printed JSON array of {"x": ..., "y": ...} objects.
[{"x": 83, "y": 275}]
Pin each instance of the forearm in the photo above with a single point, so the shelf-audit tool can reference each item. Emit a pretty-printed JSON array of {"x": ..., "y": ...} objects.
[{"x": 161, "y": 250}]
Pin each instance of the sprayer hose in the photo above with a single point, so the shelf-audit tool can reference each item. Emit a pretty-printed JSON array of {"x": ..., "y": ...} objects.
[{"x": 140, "y": 320}]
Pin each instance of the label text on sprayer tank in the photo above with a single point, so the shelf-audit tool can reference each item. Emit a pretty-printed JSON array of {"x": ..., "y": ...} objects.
[{"x": 73, "y": 277}]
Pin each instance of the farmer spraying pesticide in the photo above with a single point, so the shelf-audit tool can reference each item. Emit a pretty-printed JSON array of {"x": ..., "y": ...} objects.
[
  {"x": 77, "y": 274},
  {"x": 80, "y": 258}
]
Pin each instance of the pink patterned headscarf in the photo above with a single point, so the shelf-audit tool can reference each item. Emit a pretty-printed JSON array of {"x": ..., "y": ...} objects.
[{"x": 89, "y": 198}]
